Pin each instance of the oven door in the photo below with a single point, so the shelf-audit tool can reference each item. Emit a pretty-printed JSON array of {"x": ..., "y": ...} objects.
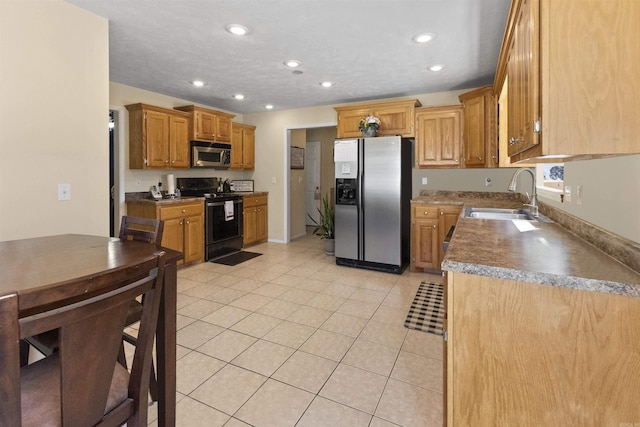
[
  {"x": 217, "y": 227},
  {"x": 210, "y": 155}
]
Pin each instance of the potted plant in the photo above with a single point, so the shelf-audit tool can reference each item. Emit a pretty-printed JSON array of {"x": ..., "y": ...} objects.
[
  {"x": 325, "y": 228},
  {"x": 369, "y": 125}
]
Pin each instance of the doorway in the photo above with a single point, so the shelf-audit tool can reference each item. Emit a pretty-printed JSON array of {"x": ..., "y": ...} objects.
[
  {"x": 313, "y": 160},
  {"x": 325, "y": 133}
]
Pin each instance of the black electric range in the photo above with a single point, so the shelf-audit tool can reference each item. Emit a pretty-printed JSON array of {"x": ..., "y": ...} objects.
[{"x": 223, "y": 216}]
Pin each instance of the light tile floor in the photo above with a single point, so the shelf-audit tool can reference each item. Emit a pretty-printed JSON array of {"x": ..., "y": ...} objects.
[{"x": 291, "y": 339}]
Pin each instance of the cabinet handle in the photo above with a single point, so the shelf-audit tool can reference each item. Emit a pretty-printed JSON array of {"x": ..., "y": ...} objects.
[
  {"x": 426, "y": 212},
  {"x": 184, "y": 210},
  {"x": 479, "y": 158},
  {"x": 188, "y": 222},
  {"x": 512, "y": 141},
  {"x": 441, "y": 212},
  {"x": 181, "y": 223},
  {"x": 434, "y": 226},
  {"x": 166, "y": 162}
]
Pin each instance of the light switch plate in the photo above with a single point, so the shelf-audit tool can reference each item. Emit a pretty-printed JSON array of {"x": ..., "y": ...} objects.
[{"x": 64, "y": 191}]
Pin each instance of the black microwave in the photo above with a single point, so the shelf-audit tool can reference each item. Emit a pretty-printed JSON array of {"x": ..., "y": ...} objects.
[{"x": 216, "y": 155}]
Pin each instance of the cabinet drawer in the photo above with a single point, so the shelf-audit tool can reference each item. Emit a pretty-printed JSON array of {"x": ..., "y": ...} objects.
[
  {"x": 181, "y": 210},
  {"x": 252, "y": 201},
  {"x": 424, "y": 211}
]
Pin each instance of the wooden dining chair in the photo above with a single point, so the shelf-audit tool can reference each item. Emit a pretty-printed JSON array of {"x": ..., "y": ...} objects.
[
  {"x": 82, "y": 384},
  {"x": 149, "y": 231},
  {"x": 141, "y": 229},
  {"x": 131, "y": 228}
]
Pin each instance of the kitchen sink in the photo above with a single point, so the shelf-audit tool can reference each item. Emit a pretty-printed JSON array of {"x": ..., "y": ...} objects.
[{"x": 499, "y": 214}]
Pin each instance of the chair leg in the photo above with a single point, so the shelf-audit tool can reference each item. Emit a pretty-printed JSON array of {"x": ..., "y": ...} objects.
[
  {"x": 24, "y": 353},
  {"x": 153, "y": 384}
]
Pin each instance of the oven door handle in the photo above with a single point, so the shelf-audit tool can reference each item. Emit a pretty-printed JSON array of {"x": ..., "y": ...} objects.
[{"x": 236, "y": 202}]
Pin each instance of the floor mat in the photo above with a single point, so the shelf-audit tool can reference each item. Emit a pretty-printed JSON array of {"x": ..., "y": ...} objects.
[
  {"x": 236, "y": 258},
  {"x": 427, "y": 310}
]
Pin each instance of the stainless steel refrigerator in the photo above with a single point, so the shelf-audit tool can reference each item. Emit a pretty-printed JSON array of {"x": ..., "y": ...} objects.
[{"x": 373, "y": 195}]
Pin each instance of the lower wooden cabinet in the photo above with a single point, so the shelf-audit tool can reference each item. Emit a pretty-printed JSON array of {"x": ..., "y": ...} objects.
[
  {"x": 529, "y": 354},
  {"x": 429, "y": 227},
  {"x": 183, "y": 226},
  {"x": 255, "y": 219}
]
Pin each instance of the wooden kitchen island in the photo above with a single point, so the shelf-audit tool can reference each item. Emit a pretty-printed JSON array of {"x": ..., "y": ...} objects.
[{"x": 542, "y": 329}]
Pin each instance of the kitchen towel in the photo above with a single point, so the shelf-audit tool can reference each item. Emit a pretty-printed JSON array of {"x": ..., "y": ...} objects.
[{"x": 228, "y": 210}]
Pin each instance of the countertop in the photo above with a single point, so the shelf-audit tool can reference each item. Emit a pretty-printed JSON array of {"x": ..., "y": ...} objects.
[
  {"x": 144, "y": 197},
  {"x": 547, "y": 254}
]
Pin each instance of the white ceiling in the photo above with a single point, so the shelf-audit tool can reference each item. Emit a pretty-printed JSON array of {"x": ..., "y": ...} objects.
[{"x": 364, "y": 47}]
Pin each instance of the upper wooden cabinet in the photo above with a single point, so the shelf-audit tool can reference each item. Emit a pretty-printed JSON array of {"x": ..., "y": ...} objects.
[
  {"x": 243, "y": 146},
  {"x": 573, "y": 87},
  {"x": 158, "y": 138},
  {"x": 479, "y": 138},
  {"x": 208, "y": 125},
  {"x": 396, "y": 118},
  {"x": 438, "y": 136}
]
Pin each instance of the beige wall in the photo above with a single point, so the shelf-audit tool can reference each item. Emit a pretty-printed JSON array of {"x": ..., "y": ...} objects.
[
  {"x": 54, "y": 98},
  {"x": 611, "y": 194}
]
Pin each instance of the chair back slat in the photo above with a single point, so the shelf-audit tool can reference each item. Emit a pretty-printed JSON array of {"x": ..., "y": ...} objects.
[
  {"x": 141, "y": 229},
  {"x": 90, "y": 336}
]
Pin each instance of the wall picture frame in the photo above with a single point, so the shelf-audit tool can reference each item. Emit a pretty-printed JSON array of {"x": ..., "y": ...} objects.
[{"x": 297, "y": 157}]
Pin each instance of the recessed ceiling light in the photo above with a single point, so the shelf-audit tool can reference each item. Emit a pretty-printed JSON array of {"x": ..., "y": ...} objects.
[
  {"x": 238, "y": 96},
  {"x": 436, "y": 67},
  {"x": 326, "y": 84},
  {"x": 197, "y": 83},
  {"x": 292, "y": 63},
  {"x": 238, "y": 30},
  {"x": 269, "y": 107},
  {"x": 423, "y": 37}
]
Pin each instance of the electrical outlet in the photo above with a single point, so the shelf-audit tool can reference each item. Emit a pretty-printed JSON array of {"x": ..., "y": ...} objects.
[
  {"x": 64, "y": 191},
  {"x": 138, "y": 182},
  {"x": 424, "y": 180},
  {"x": 488, "y": 182},
  {"x": 567, "y": 193},
  {"x": 273, "y": 179}
]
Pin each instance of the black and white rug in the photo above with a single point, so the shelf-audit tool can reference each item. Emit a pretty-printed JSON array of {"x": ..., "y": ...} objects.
[{"x": 427, "y": 310}]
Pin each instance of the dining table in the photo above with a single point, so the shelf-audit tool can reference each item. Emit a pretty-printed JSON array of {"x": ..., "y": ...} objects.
[{"x": 41, "y": 271}]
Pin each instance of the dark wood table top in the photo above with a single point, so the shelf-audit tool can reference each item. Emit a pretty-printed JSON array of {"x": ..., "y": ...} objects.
[{"x": 43, "y": 269}]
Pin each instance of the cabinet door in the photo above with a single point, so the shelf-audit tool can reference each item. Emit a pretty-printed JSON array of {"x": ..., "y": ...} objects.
[
  {"x": 248, "y": 148},
  {"x": 262, "y": 232},
  {"x": 179, "y": 142},
  {"x": 396, "y": 121},
  {"x": 449, "y": 216},
  {"x": 524, "y": 74},
  {"x": 349, "y": 122},
  {"x": 173, "y": 234},
  {"x": 236, "y": 148},
  {"x": 157, "y": 137},
  {"x": 205, "y": 126},
  {"x": 426, "y": 238},
  {"x": 223, "y": 129},
  {"x": 249, "y": 225},
  {"x": 438, "y": 138},
  {"x": 474, "y": 148},
  {"x": 193, "y": 238}
]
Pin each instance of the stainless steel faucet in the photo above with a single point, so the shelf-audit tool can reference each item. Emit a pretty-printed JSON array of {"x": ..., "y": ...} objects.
[{"x": 533, "y": 199}]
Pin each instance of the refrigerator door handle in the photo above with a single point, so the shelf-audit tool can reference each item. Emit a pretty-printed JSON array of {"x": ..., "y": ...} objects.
[{"x": 360, "y": 199}]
